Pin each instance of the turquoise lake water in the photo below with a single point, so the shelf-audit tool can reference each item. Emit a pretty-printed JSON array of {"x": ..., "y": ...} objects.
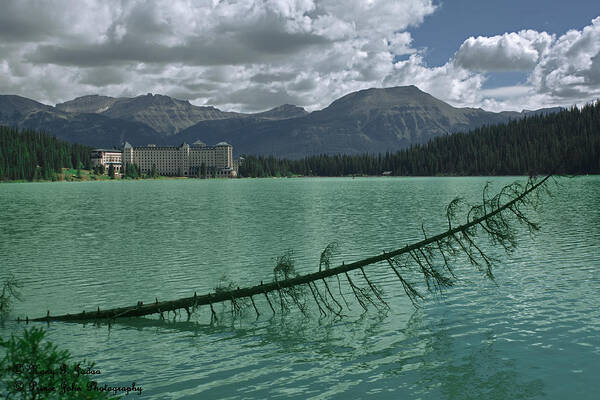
[{"x": 533, "y": 333}]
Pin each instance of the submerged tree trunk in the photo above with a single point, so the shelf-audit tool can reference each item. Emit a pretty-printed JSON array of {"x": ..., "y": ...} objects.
[{"x": 493, "y": 217}]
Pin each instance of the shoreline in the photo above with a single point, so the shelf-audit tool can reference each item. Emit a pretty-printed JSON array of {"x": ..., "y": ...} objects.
[{"x": 105, "y": 178}]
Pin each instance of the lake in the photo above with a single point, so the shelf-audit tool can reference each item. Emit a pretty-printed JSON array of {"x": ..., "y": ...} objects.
[{"x": 532, "y": 333}]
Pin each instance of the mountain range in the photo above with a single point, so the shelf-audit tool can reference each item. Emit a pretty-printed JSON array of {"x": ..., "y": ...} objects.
[{"x": 371, "y": 120}]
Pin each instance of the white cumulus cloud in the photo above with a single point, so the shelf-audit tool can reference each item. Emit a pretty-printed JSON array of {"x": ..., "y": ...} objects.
[
  {"x": 250, "y": 55},
  {"x": 571, "y": 69},
  {"x": 205, "y": 51},
  {"x": 515, "y": 51},
  {"x": 562, "y": 71}
]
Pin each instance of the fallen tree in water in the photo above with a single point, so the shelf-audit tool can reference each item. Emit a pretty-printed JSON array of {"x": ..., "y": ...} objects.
[{"x": 430, "y": 258}]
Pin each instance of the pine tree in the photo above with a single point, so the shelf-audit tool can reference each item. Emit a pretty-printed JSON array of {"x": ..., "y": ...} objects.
[{"x": 534, "y": 144}]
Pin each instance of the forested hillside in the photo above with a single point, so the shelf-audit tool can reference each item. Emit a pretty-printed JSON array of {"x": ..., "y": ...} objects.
[
  {"x": 30, "y": 155},
  {"x": 565, "y": 142}
]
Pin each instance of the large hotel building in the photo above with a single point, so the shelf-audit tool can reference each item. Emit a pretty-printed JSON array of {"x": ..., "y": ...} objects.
[{"x": 184, "y": 160}]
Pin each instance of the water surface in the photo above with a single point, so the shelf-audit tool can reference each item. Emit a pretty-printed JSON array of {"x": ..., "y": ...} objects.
[{"x": 534, "y": 333}]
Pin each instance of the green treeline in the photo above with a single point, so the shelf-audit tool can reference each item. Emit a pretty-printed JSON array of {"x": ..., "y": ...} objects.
[
  {"x": 132, "y": 171},
  {"x": 30, "y": 155},
  {"x": 565, "y": 142}
]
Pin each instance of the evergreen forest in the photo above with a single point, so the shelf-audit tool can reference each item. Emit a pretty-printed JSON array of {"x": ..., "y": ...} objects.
[
  {"x": 567, "y": 142},
  {"x": 30, "y": 155}
]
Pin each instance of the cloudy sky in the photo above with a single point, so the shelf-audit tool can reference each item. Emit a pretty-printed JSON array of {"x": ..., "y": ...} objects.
[{"x": 251, "y": 55}]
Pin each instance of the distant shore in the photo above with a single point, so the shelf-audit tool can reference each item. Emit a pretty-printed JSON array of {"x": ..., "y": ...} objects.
[{"x": 83, "y": 175}]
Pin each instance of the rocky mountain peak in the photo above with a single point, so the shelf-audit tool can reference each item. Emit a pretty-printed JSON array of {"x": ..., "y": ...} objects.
[{"x": 284, "y": 111}]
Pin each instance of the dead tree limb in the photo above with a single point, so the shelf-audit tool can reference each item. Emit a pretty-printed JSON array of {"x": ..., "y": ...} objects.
[{"x": 493, "y": 215}]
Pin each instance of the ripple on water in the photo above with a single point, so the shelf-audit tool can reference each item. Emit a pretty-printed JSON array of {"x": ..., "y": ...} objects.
[{"x": 534, "y": 333}]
